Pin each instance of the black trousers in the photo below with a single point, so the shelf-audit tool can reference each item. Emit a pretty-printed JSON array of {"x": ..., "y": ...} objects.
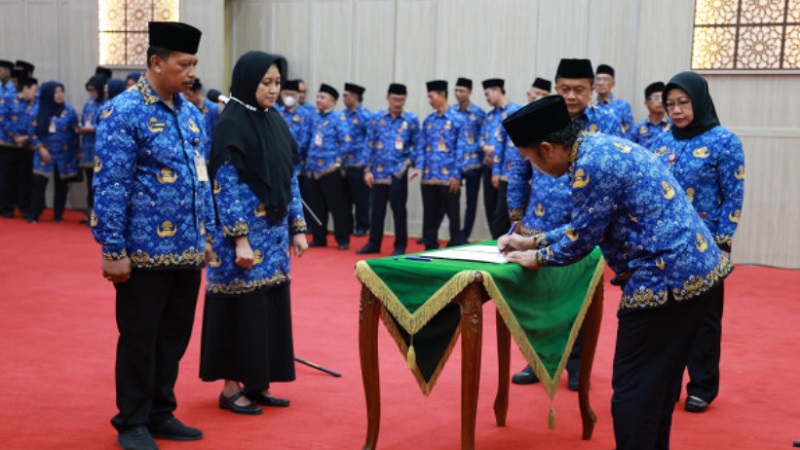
[
  {"x": 489, "y": 198},
  {"x": 327, "y": 195},
  {"x": 358, "y": 197},
  {"x": 155, "y": 315},
  {"x": 396, "y": 194},
  {"x": 88, "y": 175},
  {"x": 16, "y": 179},
  {"x": 704, "y": 358},
  {"x": 472, "y": 180},
  {"x": 500, "y": 222},
  {"x": 437, "y": 200},
  {"x": 59, "y": 198},
  {"x": 652, "y": 349}
]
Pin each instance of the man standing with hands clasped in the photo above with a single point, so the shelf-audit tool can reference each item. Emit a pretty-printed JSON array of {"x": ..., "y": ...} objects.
[
  {"x": 626, "y": 202},
  {"x": 152, "y": 205}
]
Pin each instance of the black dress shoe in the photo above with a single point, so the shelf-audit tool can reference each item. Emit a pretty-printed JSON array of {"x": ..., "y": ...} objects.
[
  {"x": 796, "y": 444},
  {"x": 695, "y": 404},
  {"x": 136, "y": 438},
  {"x": 360, "y": 232},
  {"x": 318, "y": 244},
  {"x": 368, "y": 249},
  {"x": 172, "y": 429},
  {"x": 526, "y": 376},
  {"x": 8, "y": 215},
  {"x": 266, "y": 400},
  {"x": 572, "y": 380},
  {"x": 228, "y": 403},
  {"x": 345, "y": 246}
]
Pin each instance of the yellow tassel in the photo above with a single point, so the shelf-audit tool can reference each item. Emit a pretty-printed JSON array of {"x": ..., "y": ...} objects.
[
  {"x": 551, "y": 419},
  {"x": 411, "y": 358}
]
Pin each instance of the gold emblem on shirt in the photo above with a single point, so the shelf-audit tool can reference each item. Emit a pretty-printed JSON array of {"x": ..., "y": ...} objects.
[
  {"x": 739, "y": 173},
  {"x": 580, "y": 181},
  {"x": 260, "y": 211},
  {"x": 701, "y": 153},
  {"x": 539, "y": 210},
  {"x": 98, "y": 164},
  {"x": 593, "y": 128},
  {"x": 380, "y": 145},
  {"x": 571, "y": 234},
  {"x": 214, "y": 261},
  {"x": 643, "y": 130},
  {"x": 155, "y": 125},
  {"x": 166, "y": 229},
  {"x": 623, "y": 148},
  {"x": 355, "y": 120},
  {"x": 257, "y": 257},
  {"x": 633, "y": 218},
  {"x": 92, "y": 219},
  {"x": 690, "y": 194},
  {"x": 660, "y": 263},
  {"x": 734, "y": 216},
  {"x": 193, "y": 126},
  {"x": 106, "y": 113},
  {"x": 701, "y": 244},
  {"x": 667, "y": 190},
  {"x": 347, "y": 138},
  {"x": 217, "y": 187},
  {"x": 167, "y": 176},
  {"x": 448, "y": 125},
  {"x": 662, "y": 151}
]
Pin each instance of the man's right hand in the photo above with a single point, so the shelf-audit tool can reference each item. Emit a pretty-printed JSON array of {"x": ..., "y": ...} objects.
[
  {"x": 369, "y": 179},
  {"x": 117, "y": 271}
]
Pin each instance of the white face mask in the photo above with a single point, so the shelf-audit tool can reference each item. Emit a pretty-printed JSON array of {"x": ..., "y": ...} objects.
[{"x": 289, "y": 101}]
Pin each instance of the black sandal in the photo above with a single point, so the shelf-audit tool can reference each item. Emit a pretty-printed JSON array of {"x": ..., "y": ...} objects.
[{"x": 228, "y": 403}]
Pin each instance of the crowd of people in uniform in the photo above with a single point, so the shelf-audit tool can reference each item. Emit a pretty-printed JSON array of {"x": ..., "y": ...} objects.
[{"x": 180, "y": 183}]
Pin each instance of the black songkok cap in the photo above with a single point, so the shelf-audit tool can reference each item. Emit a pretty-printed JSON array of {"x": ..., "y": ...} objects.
[
  {"x": 174, "y": 36},
  {"x": 103, "y": 71},
  {"x": 291, "y": 85},
  {"x": 541, "y": 83},
  {"x": 197, "y": 85},
  {"x": 464, "y": 82},
  {"x": 330, "y": 90},
  {"x": 494, "y": 82},
  {"x": 397, "y": 89},
  {"x": 574, "y": 68},
  {"x": 605, "y": 68},
  {"x": 19, "y": 74},
  {"x": 437, "y": 85},
  {"x": 25, "y": 65},
  {"x": 6, "y": 64},
  {"x": 658, "y": 86},
  {"x": 532, "y": 123},
  {"x": 354, "y": 88}
]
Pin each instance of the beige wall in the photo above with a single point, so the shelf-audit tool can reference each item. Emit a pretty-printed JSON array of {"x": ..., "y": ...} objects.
[{"x": 375, "y": 42}]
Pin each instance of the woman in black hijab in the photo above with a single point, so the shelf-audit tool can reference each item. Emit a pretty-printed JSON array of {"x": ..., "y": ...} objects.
[
  {"x": 247, "y": 327},
  {"x": 708, "y": 162}
]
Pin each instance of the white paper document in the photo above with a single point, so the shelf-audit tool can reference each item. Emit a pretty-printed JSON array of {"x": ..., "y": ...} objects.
[{"x": 477, "y": 253}]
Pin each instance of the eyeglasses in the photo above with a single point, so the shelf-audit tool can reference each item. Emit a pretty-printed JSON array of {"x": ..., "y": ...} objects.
[{"x": 681, "y": 104}]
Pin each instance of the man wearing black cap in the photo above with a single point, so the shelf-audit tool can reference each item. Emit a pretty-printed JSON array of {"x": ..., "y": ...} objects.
[
  {"x": 325, "y": 184},
  {"x": 502, "y": 152},
  {"x": 603, "y": 84},
  {"x": 209, "y": 110},
  {"x": 539, "y": 89},
  {"x": 152, "y": 206},
  {"x": 473, "y": 117},
  {"x": 542, "y": 202},
  {"x": 26, "y": 67},
  {"x": 626, "y": 202},
  {"x": 356, "y": 116},
  {"x": 646, "y": 131},
  {"x": 391, "y": 135},
  {"x": 296, "y": 118},
  {"x": 105, "y": 71},
  {"x": 439, "y": 156},
  {"x": 6, "y": 88}
]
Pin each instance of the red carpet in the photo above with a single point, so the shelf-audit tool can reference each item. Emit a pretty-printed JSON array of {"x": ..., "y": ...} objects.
[{"x": 58, "y": 337}]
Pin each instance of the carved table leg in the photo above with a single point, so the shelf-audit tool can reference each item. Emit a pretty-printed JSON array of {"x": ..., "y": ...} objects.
[
  {"x": 591, "y": 330},
  {"x": 471, "y": 325},
  {"x": 368, "y": 348},
  {"x": 504, "y": 374}
]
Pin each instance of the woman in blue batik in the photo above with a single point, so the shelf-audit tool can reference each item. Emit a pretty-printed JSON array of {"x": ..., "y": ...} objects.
[
  {"x": 708, "y": 162},
  {"x": 56, "y": 144},
  {"x": 247, "y": 324},
  {"x": 96, "y": 87}
]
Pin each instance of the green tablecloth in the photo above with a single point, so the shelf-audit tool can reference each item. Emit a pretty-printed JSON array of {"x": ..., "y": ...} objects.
[{"x": 543, "y": 309}]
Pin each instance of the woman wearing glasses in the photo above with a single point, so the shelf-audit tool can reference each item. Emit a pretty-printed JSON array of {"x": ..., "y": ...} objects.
[{"x": 708, "y": 162}]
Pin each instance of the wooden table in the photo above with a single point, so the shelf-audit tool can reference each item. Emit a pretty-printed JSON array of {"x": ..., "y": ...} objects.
[{"x": 471, "y": 300}]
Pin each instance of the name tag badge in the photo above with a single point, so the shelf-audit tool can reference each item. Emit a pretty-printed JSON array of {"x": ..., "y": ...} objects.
[
  {"x": 398, "y": 144},
  {"x": 52, "y": 128},
  {"x": 318, "y": 140},
  {"x": 442, "y": 146},
  {"x": 202, "y": 170}
]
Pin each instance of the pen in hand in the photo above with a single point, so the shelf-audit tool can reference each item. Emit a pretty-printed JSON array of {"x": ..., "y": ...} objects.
[{"x": 510, "y": 232}]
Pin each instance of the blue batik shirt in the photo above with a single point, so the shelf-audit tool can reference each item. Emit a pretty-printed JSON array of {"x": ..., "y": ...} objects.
[
  {"x": 152, "y": 198},
  {"x": 241, "y": 213},
  {"x": 710, "y": 169},
  {"x": 439, "y": 149},
  {"x": 473, "y": 117},
  {"x": 211, "y": 114},
  {"x": 91, "y": 111},
  {"x": 62, "y": 143},
  {"x": 327, "y": 144},
  {"x": 628, "y": 203},
  {"x": 356, "y": 134},
  {"x": 619, "y": 108},
  {"x": 645, "y": 132},
  {"x": 298, "y": 121},
  {"x": 389, "y": 144},
  {"x": 505, "y": 152},
  {"x": 19, "y": 118}
]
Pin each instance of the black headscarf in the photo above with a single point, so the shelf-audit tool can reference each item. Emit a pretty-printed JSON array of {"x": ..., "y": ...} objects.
[
  {"x": 256, "y": 141},
  {"x": 48, "y": 108},
  {"x": 705, "y": 116},
  {"x": 98, "y": 82},
  {"x": 115, "y": 87}
]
